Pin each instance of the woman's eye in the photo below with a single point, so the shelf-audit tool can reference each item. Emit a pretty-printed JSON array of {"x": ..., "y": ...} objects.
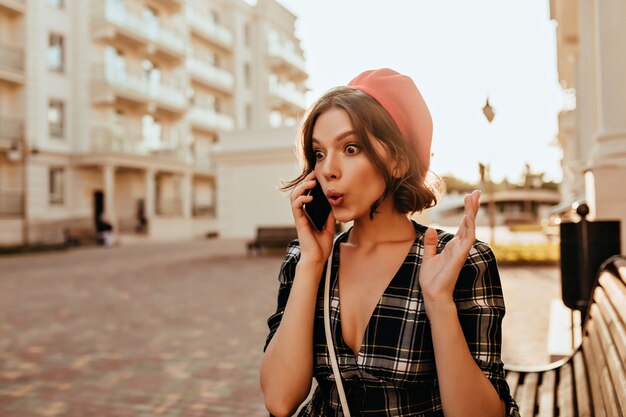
[
  {"x": 352, "y": 149},
  {"x": 318, "y": 154}
]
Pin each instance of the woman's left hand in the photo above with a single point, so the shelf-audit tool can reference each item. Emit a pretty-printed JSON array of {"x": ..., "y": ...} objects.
[{"x": 439, "y": 272}]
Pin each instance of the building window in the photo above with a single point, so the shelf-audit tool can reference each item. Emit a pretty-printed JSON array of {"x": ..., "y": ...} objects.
[
  {"x": 55, "y": 53},
  {"x": 56, "y": 3},
  {"x": 56, "y": 118},
  {"x": 56, "y": 185}
]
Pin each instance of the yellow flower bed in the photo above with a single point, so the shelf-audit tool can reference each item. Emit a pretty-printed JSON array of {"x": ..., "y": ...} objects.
[{"x": 531, "y": 252}]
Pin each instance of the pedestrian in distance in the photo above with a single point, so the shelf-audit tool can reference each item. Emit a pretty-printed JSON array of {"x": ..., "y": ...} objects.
[{"x": 413, "y": 322}]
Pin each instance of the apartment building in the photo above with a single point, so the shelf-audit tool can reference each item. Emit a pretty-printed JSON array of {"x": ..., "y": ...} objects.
[{"x": 112, "y": 108}]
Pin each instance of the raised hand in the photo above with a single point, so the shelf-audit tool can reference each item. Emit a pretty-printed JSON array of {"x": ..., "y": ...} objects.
[
  {"x": 439, "y": 272},
  {"x": 314, "y": 246}
]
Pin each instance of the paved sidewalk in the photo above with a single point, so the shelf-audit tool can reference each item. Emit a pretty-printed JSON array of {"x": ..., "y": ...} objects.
[{"x": 170, "y": 329}]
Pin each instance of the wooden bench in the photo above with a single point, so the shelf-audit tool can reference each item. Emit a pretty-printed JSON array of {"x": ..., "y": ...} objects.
[
  {"x": 592, "y": 381},
  {"x": 277, "y": 237}
]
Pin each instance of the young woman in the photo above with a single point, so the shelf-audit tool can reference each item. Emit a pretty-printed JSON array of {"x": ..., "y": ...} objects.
[{"x": 415, "y": 312}]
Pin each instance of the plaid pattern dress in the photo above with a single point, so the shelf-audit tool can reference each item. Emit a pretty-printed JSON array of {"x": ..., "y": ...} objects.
[{"x": 394, "y": 373}]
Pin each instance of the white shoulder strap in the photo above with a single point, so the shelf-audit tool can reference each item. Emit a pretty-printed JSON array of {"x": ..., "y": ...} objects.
[{"x": 329, "y": 335}]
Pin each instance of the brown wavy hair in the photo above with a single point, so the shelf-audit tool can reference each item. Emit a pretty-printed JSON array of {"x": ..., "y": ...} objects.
[{"x": 370, "y": 122}]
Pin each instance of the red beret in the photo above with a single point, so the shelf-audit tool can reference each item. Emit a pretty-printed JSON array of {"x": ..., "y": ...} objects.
[{"x": 398, "y": 94}]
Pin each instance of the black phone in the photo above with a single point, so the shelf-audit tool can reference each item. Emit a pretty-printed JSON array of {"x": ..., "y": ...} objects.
[{"x": 318, "y": 209}]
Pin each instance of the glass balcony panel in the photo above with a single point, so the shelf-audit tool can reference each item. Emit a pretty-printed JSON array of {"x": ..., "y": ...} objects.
[
  {"x": 287, "y": 93},
  {"x": 168, "y": 93},
  {"x": 208, "y": 119},
  {"x": 210, "y": 73},
  {"x": 132, "y": 142},
  {"x": 281, "y": 50},
  {"x": 206, "y": 26},
  {"x": 146, "y": 28}
]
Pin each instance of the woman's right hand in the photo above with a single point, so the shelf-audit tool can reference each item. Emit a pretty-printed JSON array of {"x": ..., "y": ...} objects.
[{"x": 315, "y": 246}]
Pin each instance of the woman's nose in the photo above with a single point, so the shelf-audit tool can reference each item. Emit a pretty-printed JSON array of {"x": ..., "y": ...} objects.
[{"x": 331, "y": 167}]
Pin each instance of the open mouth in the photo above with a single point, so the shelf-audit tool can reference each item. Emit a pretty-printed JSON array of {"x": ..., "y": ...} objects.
[{"x": 335, "y": 198}]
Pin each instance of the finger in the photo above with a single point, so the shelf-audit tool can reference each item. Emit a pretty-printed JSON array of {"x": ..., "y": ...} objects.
[
  {"x": 477, "y": 202},
  {"x": 468, "y": 202},
  {"x": 302, "y": 188},
  {"x": 430, "y": 243},
  {"x": 300, "y": 201}
]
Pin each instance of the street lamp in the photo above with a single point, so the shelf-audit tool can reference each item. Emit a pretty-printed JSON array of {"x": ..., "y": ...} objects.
[{"x": 486, "y": 181}]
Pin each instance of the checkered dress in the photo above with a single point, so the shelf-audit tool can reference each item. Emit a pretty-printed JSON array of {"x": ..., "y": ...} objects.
[{"x": 394, "y": 373}]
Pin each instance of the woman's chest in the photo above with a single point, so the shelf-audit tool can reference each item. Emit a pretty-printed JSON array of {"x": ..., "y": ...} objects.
[{"x": 396, "y": 343}]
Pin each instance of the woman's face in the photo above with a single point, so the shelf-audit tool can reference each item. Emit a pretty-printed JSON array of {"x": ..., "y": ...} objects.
[{"x": 348, "y": 177}]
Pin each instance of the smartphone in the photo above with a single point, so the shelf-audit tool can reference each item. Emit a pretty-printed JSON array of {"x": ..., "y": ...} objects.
[{"x": 319, "y": 208}]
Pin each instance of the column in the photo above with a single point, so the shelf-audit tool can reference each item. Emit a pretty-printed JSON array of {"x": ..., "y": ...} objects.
[
  {"x": 608, "y": 167},
  {"x": 149, "y": 200},
  {"x": 109, "y": 193},
  {"x": 186, "y": 191}
]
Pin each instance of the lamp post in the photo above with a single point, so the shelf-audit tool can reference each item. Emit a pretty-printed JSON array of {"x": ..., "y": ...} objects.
[
  {"x": 22, "y": 152},
  {"x": 485, "y": 179}
]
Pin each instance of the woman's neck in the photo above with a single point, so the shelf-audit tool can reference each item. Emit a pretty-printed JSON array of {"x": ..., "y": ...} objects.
[{"x": 387, "y": 227}]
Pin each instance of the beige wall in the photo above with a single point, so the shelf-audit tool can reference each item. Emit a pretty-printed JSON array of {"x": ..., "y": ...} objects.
[{"x": 250, "y": 167}]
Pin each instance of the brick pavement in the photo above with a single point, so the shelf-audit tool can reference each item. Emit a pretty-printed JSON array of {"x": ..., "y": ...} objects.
[{"x": 169, "y": 329}]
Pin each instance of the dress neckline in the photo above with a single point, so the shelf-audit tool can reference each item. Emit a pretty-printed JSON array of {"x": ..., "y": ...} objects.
[{"x": 413, "y": 250}]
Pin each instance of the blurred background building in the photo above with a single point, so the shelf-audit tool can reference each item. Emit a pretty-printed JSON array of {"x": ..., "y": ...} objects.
[
  {"x": 114, "y": 109},
  {"x": 591, "y": 61}
]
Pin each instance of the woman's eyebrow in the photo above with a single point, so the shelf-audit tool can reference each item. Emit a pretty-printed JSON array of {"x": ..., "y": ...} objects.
[{"x": 339, "y": 137}]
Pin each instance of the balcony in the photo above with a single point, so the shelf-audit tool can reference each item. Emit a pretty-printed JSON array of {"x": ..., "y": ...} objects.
[
  {"x": 114, "y": 21},
  {"x": 109, "y": 84},
  {"x": 284, "y": 57},
  {"x": 11, "y": 132},
  {"x": 204, "y": 166},
  {"x": 11, "y": 203},
  {"x": 204, "y": 26},
  {"x": 282, "y": 93},
  {"x": 11, "y": 64},
  {"x": 123, "y": 141},
  {"x": 13, "y": 6},
  {"x": 210, "y": 75},
  {"x": 208, "y": 120}
]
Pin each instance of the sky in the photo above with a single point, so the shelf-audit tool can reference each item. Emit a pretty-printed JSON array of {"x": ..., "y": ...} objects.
[{"x": 458, "y": 52}]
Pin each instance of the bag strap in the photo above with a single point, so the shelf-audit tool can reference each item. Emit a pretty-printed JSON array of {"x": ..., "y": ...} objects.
[{"x": 329, "y": 335}]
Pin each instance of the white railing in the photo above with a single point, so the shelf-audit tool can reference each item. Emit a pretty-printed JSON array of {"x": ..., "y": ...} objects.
[
  {"x": 209, "y": 118},
  {"x": 205, "y": 25},
  {"x": 107, "y": 139},
  {"x": 165, "y": 92},
  {"x": 211, "y": 73},
  {"x": 282, "y": 50},
  {"x": 288, "y": 93},
  {"x": 122, "y": 16}
]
